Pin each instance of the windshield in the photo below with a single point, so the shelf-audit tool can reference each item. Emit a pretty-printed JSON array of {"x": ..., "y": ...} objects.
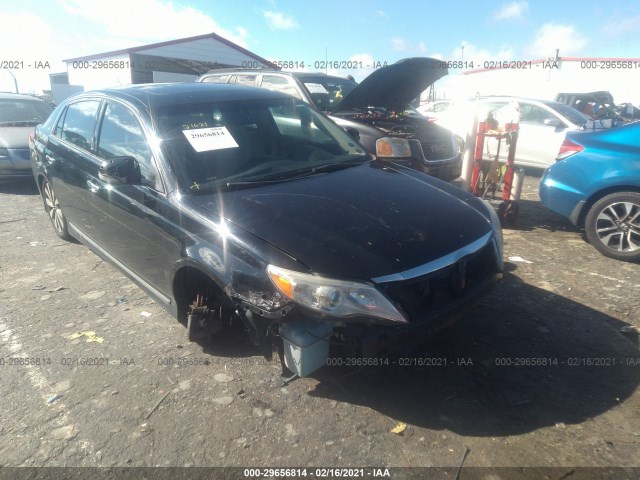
[
  {"x": 574, "y": 116},
  {"x": 226, "y": 144},
  {"x": 328, "y": 92},
  {"x": 23, "y": 112}
]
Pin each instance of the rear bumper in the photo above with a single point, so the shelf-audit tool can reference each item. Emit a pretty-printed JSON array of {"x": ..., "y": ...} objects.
[
  {"x": 16, "y": 164},
  {"x": 561, "y": 198}
]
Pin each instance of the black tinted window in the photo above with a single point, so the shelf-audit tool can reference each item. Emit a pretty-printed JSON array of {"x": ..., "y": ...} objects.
[
  {"x": 79, "y": 122},
  {"x": 574, "y": 116},
  {"x": 121, "y": 136},
  {"x": 210, "y": 144},
  {"x": 328, "y": 92}
]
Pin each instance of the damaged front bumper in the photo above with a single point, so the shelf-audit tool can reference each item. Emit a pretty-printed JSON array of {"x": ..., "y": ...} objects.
[
  {"x": 369, "y": 341},
  {"x": 308, "y": 343}
]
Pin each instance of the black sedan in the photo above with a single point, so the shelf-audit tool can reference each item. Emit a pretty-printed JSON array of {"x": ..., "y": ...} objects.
[{"x": 231, "y": 204}]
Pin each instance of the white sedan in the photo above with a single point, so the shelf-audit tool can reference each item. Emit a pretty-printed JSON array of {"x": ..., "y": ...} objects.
[{"x": 543, "y": 125}]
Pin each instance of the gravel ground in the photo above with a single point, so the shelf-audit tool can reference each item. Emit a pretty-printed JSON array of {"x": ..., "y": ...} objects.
[{"x": 540, "y": 374}]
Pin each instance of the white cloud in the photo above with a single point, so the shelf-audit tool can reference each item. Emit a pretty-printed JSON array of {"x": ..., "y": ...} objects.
[
  {"x": 511, "y": 11},
  {"x": 280, "y": 21},
  {"x": 401, "y": 45},
  {"x": 148, "y": 21},
  {"x": 553, "y": 36},
  {"x": 382, "y": 14}
]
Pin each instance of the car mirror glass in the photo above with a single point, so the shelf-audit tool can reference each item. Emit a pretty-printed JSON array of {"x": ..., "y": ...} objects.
[{"x": 355, "y": 134}]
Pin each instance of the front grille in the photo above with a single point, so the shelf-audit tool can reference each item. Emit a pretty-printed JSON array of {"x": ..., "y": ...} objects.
[
  {"x": 434, "y": 151},
  {"x": 421, "y": 296}
]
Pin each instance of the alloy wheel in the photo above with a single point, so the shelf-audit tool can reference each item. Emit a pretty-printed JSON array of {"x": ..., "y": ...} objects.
[{"x": 618, "y": 226}]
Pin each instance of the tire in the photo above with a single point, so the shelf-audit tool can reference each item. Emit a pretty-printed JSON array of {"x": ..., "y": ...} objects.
[
  {"x": 52, "y": 207},
  {"x": 612, "y": 226}
]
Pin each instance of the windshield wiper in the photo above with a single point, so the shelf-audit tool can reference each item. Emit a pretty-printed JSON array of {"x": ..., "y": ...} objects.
[
  {"x": 257, "y": 183},
  {"x": 326, "y": 168},
  {"x": 207, "y": 188},
  {"x": 196, "y": 188},
  {"x": 334, "y": 167}
]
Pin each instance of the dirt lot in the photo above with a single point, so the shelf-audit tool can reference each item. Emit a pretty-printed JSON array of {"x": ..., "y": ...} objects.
[{"x": 539, "y": 375}]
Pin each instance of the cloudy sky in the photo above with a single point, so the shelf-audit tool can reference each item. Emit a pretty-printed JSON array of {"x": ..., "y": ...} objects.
[{"x": 308, "y": 31}]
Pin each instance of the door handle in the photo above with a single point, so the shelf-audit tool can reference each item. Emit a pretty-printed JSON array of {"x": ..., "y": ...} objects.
[{"x": 92, "y": 186}]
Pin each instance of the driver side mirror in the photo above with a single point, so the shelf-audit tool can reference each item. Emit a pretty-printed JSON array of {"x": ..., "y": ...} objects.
[
  {"x": 553, "y": 122},
  {"x": 120, "y": 170},
  {"x": 354, "y": 133}
]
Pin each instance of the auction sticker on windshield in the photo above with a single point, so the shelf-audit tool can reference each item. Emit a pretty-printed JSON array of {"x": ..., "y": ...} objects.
[
  {"x": 207, "y": 139},
  {"x": 316, "y": 88}
]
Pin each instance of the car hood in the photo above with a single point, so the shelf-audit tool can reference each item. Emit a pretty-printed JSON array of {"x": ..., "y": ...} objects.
[
  {"x": 359, "y": 223},
  {"x": 15, "y": 137},
  {"x": 395, "y": 85}
]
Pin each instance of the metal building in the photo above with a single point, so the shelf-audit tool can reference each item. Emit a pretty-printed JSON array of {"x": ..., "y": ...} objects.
[{"x": 172, "y": 61}]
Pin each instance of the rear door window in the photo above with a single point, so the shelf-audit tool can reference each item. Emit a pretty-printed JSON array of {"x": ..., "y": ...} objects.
[
  {"x": 533, "y": 114},
  {"x": 79, "y": 123}
]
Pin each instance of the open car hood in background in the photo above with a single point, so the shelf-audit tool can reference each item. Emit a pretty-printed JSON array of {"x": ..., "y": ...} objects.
[{"x": 395, "y": 85}]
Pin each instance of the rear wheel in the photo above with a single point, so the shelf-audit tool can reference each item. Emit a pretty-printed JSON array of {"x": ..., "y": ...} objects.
[
  {"x": 612, "y": 226},
  {"x": 52, "y": 207}
]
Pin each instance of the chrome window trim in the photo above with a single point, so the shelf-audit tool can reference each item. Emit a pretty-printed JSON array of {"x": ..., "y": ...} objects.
[{"x": 437, "y": 264}]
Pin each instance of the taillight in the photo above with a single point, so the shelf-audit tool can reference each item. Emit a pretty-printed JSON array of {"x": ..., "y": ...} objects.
[{"x": 567, "y": 149}]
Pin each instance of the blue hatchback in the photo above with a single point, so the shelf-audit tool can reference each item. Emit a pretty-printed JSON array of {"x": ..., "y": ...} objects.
[{"x": 595, "y": 183}]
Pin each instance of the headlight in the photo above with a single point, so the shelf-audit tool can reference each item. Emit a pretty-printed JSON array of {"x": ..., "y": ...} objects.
[
  {"x": 497, "y": 231},
  {"x": 333, "y": 297},
  {"x": 392, "y": 147}
]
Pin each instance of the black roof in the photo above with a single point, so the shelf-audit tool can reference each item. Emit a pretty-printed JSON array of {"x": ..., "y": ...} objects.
[{"x": 154, "y": 95}]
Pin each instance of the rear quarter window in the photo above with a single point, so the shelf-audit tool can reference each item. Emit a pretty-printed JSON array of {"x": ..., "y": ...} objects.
[
  {"x": 279, "y": 84},
  {"x": 244, "y": 79},
  {"x": 216, "y": 79}
]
